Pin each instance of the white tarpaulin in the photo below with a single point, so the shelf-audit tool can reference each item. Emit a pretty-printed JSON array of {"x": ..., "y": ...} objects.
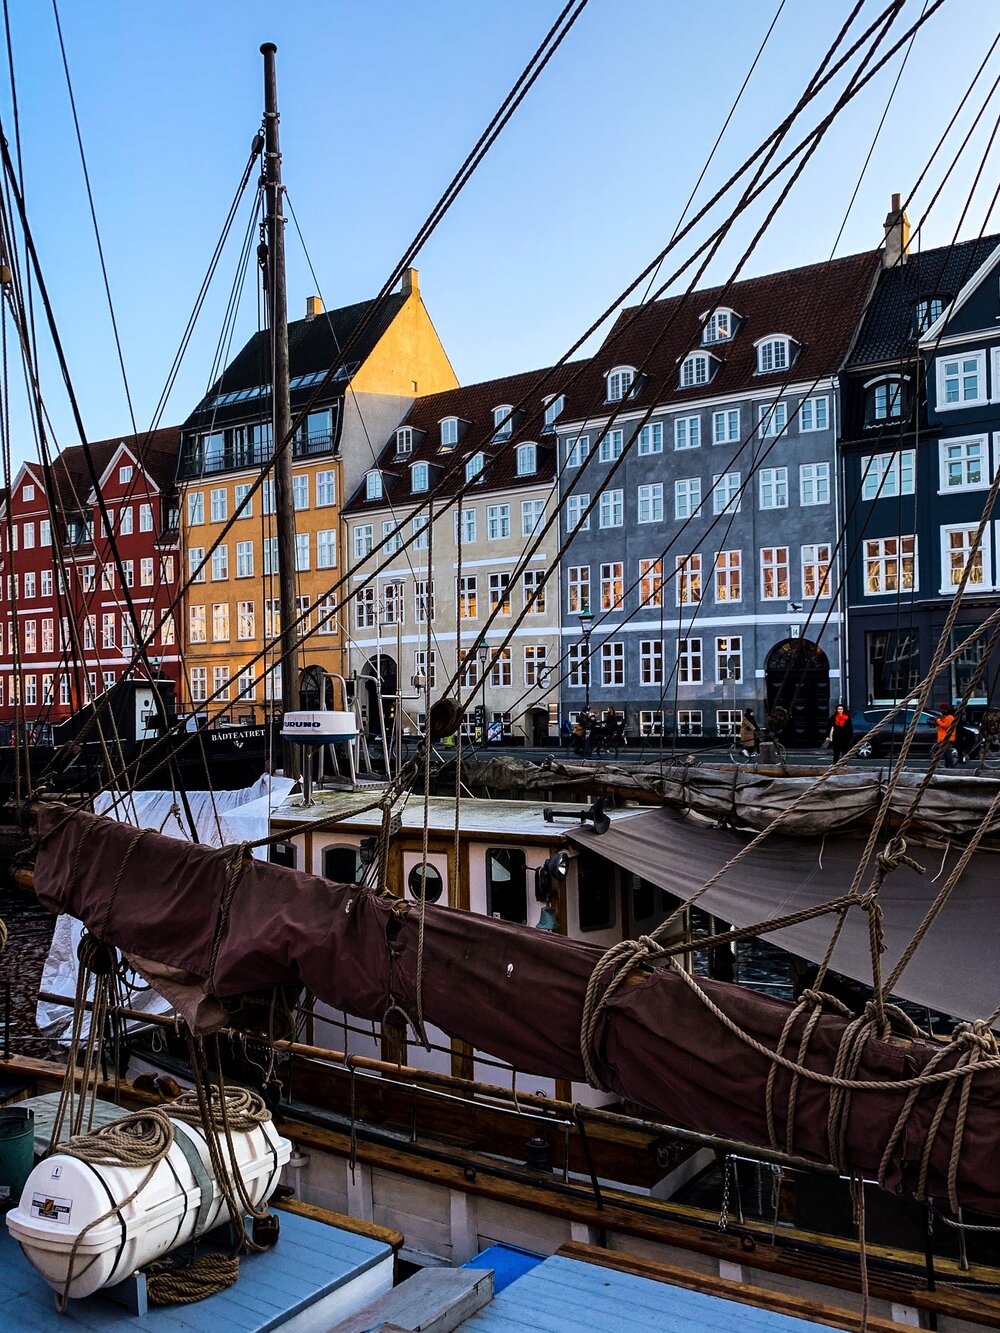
[
  {"x": 222, "y": 818},
  {"x": 955, "y": 968}
]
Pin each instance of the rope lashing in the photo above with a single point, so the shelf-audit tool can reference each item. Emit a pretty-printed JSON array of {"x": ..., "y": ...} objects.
[
  {"x": 893, "y": 855},
  {"x": 139, "y": 1140}
]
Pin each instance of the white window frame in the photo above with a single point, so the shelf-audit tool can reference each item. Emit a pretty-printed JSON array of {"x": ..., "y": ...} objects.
[
  {"x": 611, "y": 509},
  {"x": 719, "y": 326},
  {"x": 695, "y": 370},
  {"x": 575, "y": 507},
  {"x": 941, "y": 365},
  {"x": 727, "y": 495},
  {"x": 651, "y": 438},
  {"x": 772, "y": 419},
  {"x": 474, "y": 466},
  {"x": 962, "y": 442},
  {"x": 650, "y": 502},
  {"x": 611, "y": 445},
  {"x": 948, "y": 586},
  {"x": 503, "y": 423},
  {"x": 527, "y": 459},
  {"x": 771, "y": 562},
  {"x": 873, "y": 552},
  {"x": 734, "y": 648},
  {"x": 577, "y": 582},
  {"x": 901, "y": 468},
  {"x": 687, "y": 497},
  {"x": 809, "y": 412},
  {"x": 420, "y": 476},
  {"x": 690, "y": 662},
  {"x": 448, "y": 433},
  {"x": 612, "y": 585},
  {"x": 374, "y": 488},
  {"x": 650, "y": 663},
  {"x": 497, "y": 522},
  {"x": 814, "y": 479},
  {"x": 612, "y": 664},
  {"x": 726, "y": 426},
  {"x": 532, "y": 516},
  {"x": 404, "y": 442},
  {"x": 769, "y": 361},
  {"x": 811, "y": 557},
  {"x": 689, "y": 588},
  {"x": 620, "y": 383},
  {"x": 687, "y": 433},
  {"x": 577, "y": 449},
  {"x": 773, "y": 483}
]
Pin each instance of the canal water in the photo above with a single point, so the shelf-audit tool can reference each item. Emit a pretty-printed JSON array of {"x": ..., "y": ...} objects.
[{"x": 29, "y": 933}]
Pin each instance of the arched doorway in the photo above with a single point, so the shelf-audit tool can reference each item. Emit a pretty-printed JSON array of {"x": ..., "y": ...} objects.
[{"x": 797, "y": 679}]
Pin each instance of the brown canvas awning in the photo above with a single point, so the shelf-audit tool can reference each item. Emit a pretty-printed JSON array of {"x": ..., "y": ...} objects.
[{"x": 955, "y": 968}]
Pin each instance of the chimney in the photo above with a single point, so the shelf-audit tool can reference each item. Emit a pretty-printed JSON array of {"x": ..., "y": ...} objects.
[
  {"x": 314, "y": 305},
  {"x": 897, "y": 234},
  {"x": 411, "y": 283}
]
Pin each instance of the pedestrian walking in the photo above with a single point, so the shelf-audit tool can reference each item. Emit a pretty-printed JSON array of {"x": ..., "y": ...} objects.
[
  {"x": 840, "y": 733},
  {"x": 947, "y": 734},
  {"x": 749, "y": 733}
]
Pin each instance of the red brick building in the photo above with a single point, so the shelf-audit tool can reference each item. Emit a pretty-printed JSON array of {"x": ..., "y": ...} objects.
[{"x": 66, "y": 632}]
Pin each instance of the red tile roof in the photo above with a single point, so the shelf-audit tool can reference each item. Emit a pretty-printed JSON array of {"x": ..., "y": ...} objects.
[
  {"x": 818, "y": 305},
  {"x": 475, "y": 403},
  {"x": 156, "y": 452}
]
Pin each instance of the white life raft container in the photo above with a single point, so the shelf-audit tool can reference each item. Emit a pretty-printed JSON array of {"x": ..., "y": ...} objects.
[
  {"x": 319, "y": 727},
  {"x": 180, "y": 1201}
]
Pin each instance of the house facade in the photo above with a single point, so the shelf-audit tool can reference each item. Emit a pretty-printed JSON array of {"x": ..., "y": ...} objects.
[
  {"x": 699, "y": 489},
  {"x": 231, "y": 613},
  {"x": 68, "y": 634},
  {"x": 919, "y": 453},
  {"x": 469, "y": 476}
]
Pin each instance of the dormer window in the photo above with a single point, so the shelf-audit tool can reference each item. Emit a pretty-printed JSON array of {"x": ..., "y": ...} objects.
[
  {"x": 620, "y": 383},
  {"x": 503, "y": 423},
  {"x": 776, "y": 352},
  {"x": 527, "y": 460},
  {"x": 553, "y": 408},
  {"x": 720, "y": 326},
  {"x": 474, "y": 466},
  {"x": 373, "y": 486},
  {"x": 884, "y": 400},
  {"x": 419, "y": 476},
  {"x": 929, "y": 311},
  {"x": 449, "y": 433},
  {"x": 697, "y": 368},
  {"x": 404, "y": 441}
]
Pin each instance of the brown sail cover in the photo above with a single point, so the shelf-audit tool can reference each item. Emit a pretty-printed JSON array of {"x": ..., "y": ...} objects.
[{"x": 514, "y": 992}]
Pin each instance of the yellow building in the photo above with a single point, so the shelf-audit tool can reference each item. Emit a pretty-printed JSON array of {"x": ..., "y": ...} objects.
[{"x": 230, "y": 611}]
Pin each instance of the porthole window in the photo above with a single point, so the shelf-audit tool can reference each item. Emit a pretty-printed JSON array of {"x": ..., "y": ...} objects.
[{"x": 424, "y": 881}]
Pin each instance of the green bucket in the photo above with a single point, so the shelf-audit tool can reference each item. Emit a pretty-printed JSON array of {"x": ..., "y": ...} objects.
[{"x": 17, "y": 1152}]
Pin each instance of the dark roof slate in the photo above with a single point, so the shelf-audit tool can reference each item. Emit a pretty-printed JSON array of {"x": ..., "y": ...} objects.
[
  {"x": 314, "y": 344},
  {"x": 888, "y": 331},
  {"x": 475, "y": 403},
  {"x": 818, "y": 305}
]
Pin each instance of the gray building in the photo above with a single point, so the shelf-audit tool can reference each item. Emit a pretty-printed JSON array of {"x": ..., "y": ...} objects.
[{"x": 699, "y": 487}]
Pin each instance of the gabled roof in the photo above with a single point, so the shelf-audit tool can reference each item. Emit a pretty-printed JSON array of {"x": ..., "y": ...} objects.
[
  {"x": 314, "y": 345},
  {"x": 155, "y": 452},
  {"x": 888, "y": 331},
  {"x": 818, "y": 306},
  {"x": 475, "y": 403}
]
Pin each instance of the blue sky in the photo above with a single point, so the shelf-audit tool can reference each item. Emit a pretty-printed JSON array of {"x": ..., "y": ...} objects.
[{"x": 380, "y": 102}]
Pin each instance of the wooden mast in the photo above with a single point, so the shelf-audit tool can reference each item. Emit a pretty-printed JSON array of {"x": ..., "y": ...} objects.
[{"x": 277, "y": 312}]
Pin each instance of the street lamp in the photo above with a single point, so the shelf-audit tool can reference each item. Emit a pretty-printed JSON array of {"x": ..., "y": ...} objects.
[{"x": 586, "y": 619}]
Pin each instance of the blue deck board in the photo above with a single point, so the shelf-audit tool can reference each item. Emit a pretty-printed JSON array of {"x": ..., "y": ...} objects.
[
  {"x": 569, "y": 1296},
  {"x": 310, "y": 1261}
]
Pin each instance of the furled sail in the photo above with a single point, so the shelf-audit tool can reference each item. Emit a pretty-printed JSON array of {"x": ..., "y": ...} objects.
[{"x": 699, "y": 1058}]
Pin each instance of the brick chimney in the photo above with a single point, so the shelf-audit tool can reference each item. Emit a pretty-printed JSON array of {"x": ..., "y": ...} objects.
[
  {"x": 897, "y": 234},
  {"x": 314, "y": 305},
  {"x": 411, "y": 283}
]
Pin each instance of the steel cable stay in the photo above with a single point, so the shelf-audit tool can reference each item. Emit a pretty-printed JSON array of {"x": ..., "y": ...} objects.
[
  {"x": 376, "y": 551},
  {"x": 924, "y": 16},
  {"x": 745, "y": 487}
]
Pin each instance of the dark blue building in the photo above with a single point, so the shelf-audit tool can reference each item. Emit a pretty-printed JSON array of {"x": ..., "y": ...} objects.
[{"x": 919, "y": 449}]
